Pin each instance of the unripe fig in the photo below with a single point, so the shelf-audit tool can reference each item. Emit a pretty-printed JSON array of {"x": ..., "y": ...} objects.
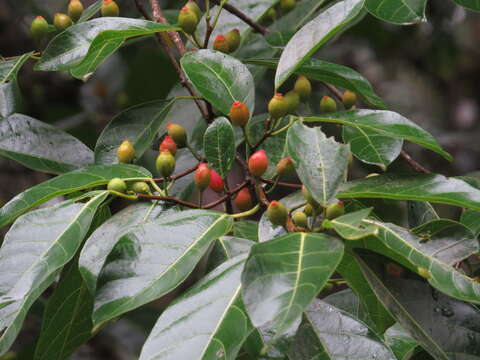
[
  {"x": 271, "y": 14},
  {"x": 140, "y": 187},
  {"x": 168, "y": 144},
  {"x": 349, "y": 99},
  {"x": 192, "y": 5},
  {"x": 309, "y": 210},
  {"x": 75, "y": 9},
  {"x": 188, "y": 20},
  {"x": 243, "y": 200},
  {"x": 285, "y": 167},
  {"x": 308, "y": 196},
  {"x": 300, "y": 219},
  {"x": 109, "y": 8},
  {"x": 216, "y": 182},
  {"x": 165, "y": 163},
  {"x": 178, "y": 134},
  {"x": 303, "y": 87},
  {"x": 328, "y": 105},
  {"x": 233, "y": 39},
  {"x": 258, "y": 163},
  {"x": 202, "y": 176},
  {"x": 39, "y": 27},
  {"x": 125, "y": 152},
  {"x": 335, "y": 210},
  {"x": 62, "y": 21},
  {"x": 278, "y": 106},
  {"x": 394, "y": 270},
  {"x": 221, "y": 44},
  {"x": 118, "y": 185},
  {"x": 293, "y": 100},
  {"x": 277, "y": 213},
  {"x": 239, "y": 114},
  {"x": 287, "y": 5}
]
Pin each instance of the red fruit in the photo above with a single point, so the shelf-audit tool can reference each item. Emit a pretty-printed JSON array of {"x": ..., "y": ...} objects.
[
  {"x": 221, "y": 44},
  {"x": 243, "y": 200},
  {"x": 168, "y": 144},
  {"x": 239, "y": 114},
  {"x": 258, "y": 163},
  {"x": 216, "y": 182},
  {"x": 202, "y": 176}
]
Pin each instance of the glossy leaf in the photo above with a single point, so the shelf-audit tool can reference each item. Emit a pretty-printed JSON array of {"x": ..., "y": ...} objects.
[
  {"x": 331, "y": 334},
  {"x": 421, "y": 187},
  {"x": 139, "y": 124},
  {"x": 283, "y": 276},
  {"x": 73, "y": 181},
  {"x": 386, "y": 123},
  {"x": 420, "y": 212},
  {"x": 220, "y": 79},
  {"x": 321, "y": 162},
  {"x": 41, "y": 146},
  {"x": 207, "y": 322},
  {"x": 10, "y": 99},
  {"x": 10, "y": 68},
  {"x": 246, "y": 229},
  {"x": 401, "y": 342},
  {"x": 315, "y": 34},
  {"x": 91, "y": 11},
  {"x": 471, "y": 219},
  {"x": 403, "y": 12},
  {"x": 152, "y": 259},
  {"x": 226, "y": 248},
  {"x": 34, "y": 249},
  {"x": 219, "y": 145},
  {"x": 469, "y": 4},
  {"x": 350, "y": 226}
]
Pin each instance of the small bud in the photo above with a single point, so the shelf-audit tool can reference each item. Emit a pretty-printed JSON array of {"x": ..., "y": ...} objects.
[
  {"x": 285, "y": 167},
  {"x": 188, "y": 20},
  {"x": 239, "y": 114},
  {"x": 328, "y": 105},
  {"x": 271, "y": 14},
  {"x": 349, "y": 99},
  {"x": 140, "y": 187},
  {"x": 75, "y": 9},
  {"x": 258, "y": 163},
  {"x": 202, "y": 176},
  {"x": 335, "y": 210},
  {"x": 39, "y": 27},
  {"x": 303, "y": 87},
  {"x": 287, "y": 5},
  {"x": 117, "y": 185},
  {"x": 216, "y": 182},
  {"x": 109, "y": 8},
  {"x": 293, "y": 100},
  {"x": 233, "y": 39},
  {"x": 394, "y": 270},
  {"x": 424, "y": 273},
  {"x": 168, "y": 144},
  {"x": 221, "y": 44},
  {"x": 243, "y": 200},
  {"x": 192, "y": 5},
  {"x": 125, "y": 152},
  {"x": 278, "y": 106},
  {"x": 62, "y": 21},
  {"x": 300, "y": 219},
  {"x": 277, "y": 213},
  {"x": 178, "y": 134},
  {"x": 165, "y": 163}
]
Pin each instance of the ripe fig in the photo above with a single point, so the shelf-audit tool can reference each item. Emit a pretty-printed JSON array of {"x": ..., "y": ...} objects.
[
  {"x": 216, "y": 182},
  {"x": 168, "y": 144},
  {"x": 243, "y": 200},
  {"x": 221, "y": 44},
  {"x": 202, "y": 176},
  {"x": 258, "y": 163},
  {"x": 239, "y": 114}
]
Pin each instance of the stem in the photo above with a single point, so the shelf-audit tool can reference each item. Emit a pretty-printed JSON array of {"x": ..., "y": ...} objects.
[
  {"x": 246, "y": 213},
  {"x": 125, "y": 196},
  {"x": 180, "y": 174},
  {"x": 279, "y": 183},
  {"x": 413, "y": 164},
  {"x": 247, "y": 20}
]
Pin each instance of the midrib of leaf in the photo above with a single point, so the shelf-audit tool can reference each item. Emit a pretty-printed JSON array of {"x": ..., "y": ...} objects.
[
  {"x": 324, "y": 179},
  {"x": 379, "y": 157},
  {"x": 17, "y": 65},
  {"x": 90, "y": 63},
  {"x": 219, "y": 78}
]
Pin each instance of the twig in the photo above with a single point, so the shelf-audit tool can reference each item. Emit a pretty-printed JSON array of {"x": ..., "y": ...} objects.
[
  {"x": 180, "y": 174},
  {"x": 279, "y": 183},
  {"x": 334, "y": 91},
  {"x": 159, "y": 17},
  {"x": 247, "y": 20},
  {"x": 413, "y": 164}
]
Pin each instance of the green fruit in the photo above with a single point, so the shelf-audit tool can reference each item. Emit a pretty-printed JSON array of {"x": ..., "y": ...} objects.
[
  {"x": 277, "y": 213},
  {"x": 188, "y": 20},
  {"x": 233, "y": 39},
  {"x": 140, "y": 187},
  {"x": 125, "y": 152},
  {"x": 178, "y": 134},
  {"x": 109, "y": 8},
  {"x": 221, "y": 44},
  {"x": 278, "y": 106},
  {"x": 293, "y": 100},
  {"x": 300, "y": 219},
  {"x": 349, "y": 99},
  {"x": 117, "y": 185},
  {"x": 271, "y": 14},
  {"x": 285, "y": 167},
  {"x": 309, "y": 210},
  {"x": 165, "y": 163},
  {"x": 39, "y": 28},
  {"x": 75, "y": 9},
  {"x": 192, "y": 5},
  {"x": 335, "y": 210},
  {"x": 62, "y": 21},
  {"x": 308, "y": 196},
  {"x": 287, "y": 5},
  {"x": 303, "y": 87},
  {"x": 328, "y": 105}
]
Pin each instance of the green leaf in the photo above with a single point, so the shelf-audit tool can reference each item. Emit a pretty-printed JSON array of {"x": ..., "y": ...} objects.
[
  {"x": 140, "y": 124},
  {"x": 401, "y": 342},
  {"x": 321, "y": 162},
  {"x": 403, "y": 12},
  {"x": 216, "y": 298},
  {"x": 469, "y": 4},
  {"x": 91, "y": 11},
  {"x": 219, "y": 145},
  {"x": 471, "y": 219},
  {"x": 226, "y": 248},
  {"x": 282, "y": 276},
  {"x": 350, "y": 226},
  {"x": 329, "y": 333},
  {"x": 80, "y": 179},
  {"x": 220, "y": 79},
  {"x": 315, "y": 34},
  {"x": 40, "y": 146},
  {"x": 35, "y": 248},
  {"x": 338, "y": 75},
  {"x": 82, "y": 46},
  {"x": 387, "y": 123},
  {"x": 246, "y": 229},
  {"x": 421, "y": 187},
  {"x": 154, "y": 258},
  {"x": 420, "y": 212},
  {"x": 10, "y": 99},
  {"x": 10, "y": 68}
]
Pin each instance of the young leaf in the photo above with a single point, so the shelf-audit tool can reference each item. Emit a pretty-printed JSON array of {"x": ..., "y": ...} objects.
[
  {"x": 350, "y": 226},
  {"x": 216, "y": 298},
  {"x": 320, "y": 162},
  {"x": 73, "y": 181},
  {"x": 34, "y": 249},
  {"x": 282, "y": 276},
  {"x": 219, "y": 145},
  {"x": 220, "y": 79},
  {"x": 402, "y": 12},
  {"x": 315, "y": 34},
  {"x": 41, "y": 146},
  {"x": 387, "y": 123}
]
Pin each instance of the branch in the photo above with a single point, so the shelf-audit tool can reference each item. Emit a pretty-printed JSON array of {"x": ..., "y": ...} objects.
[
  {"x": 180, "y": 174},
  {"x": 334, "y": 91},
  {"x": 159, "y": 17},
  {"x": 247, "y": 20},
  {"x": 413, "y": 164},
  {"x": 293, "y": 186}
]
